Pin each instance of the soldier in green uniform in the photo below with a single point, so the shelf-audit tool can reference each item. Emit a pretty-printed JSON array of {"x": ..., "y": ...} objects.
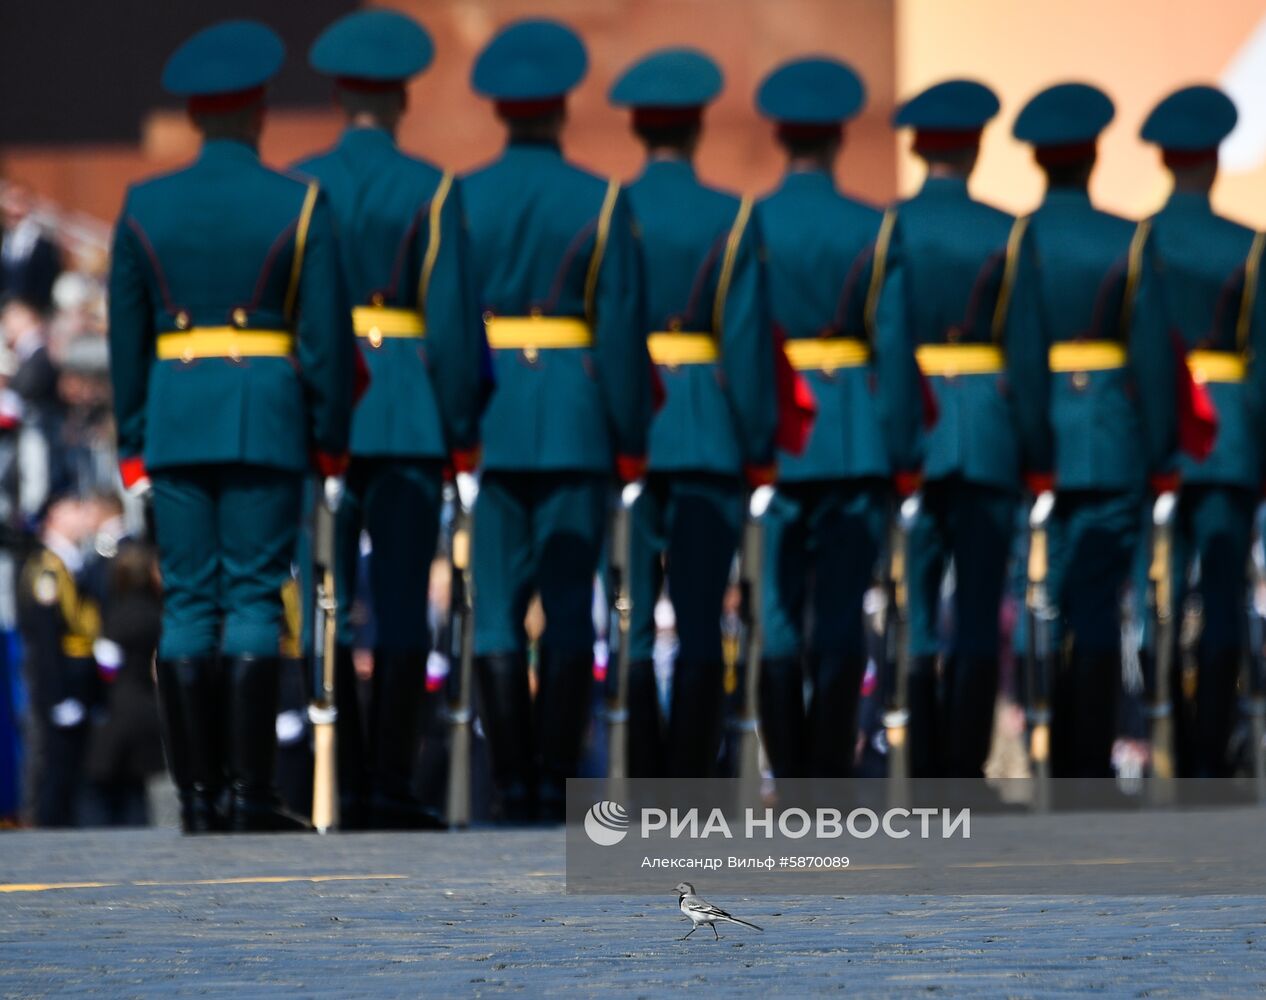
[
  {"x": 232, "y": 359},
  {"x": 1112, "y": 410},
  {"x": 963, "y": 284},
  {"x": 403, "y": 254},
  {"x": 560, "y": 284},
  {"x": 1211, "y": 284},
  {"x": 712, "y": 344},
  {"x": 824, "y": 527}
]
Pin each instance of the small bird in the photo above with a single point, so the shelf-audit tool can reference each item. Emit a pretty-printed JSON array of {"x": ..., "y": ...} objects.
[{"x": 702, "y": 912}]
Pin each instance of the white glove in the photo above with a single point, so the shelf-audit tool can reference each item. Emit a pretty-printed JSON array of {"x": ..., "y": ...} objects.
[
  {"x": 467, "y": 489},
  {"x": 334, "y": 490},
  {"x": 1163, "y": 509},
  {"x": 762, "y": 497},
  {"x": 67, "y": 713},
  {"x": 141, "y": 490},
  {"x": 630, "y": 493},
  {"x": 1042, "y": 508}
]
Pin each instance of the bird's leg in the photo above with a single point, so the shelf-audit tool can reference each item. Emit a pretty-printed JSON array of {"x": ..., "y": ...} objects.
[
  {"x": 714, "y": 931},
  {"x": 689, "y": 932}
]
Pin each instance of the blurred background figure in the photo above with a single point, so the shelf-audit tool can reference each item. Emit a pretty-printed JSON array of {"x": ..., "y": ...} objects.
[
  {"x": 29, "y": 261},
  {"x": 59, "y": 625},
  {"x": 124, "y": 744}
]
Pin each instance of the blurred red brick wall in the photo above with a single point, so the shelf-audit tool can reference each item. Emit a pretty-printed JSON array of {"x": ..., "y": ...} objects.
[{"x": 449, "y": 124}]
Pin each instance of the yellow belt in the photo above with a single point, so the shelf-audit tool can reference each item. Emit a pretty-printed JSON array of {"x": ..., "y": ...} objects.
[
  {"x": 532, "y": 333},
  {"x": 1216, "y": 366},
  {"x": 376, "y": 322},
  {"x": 959, "y": 359},
  {"x": 826, "y": 353},
  {"x": 78, "y": 647},
  {"x": 1087, "y": 356},
  {"x": 682, "y": 348},
  {"x": 224, "y": 342}
]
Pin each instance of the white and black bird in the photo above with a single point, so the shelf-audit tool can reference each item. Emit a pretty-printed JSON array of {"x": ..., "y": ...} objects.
[{"x": 700, "y": 911}]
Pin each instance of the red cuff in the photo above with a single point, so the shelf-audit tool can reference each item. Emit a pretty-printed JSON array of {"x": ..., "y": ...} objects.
[
  {"x": 760, "y": 475},
  {"x": 1039, "y": 482},
  {"x": 1164, "y": 482},
  {"x": 465, "y": 459},
  {"x": 132, "y": 470},
  {"x": 329, "y": 465},
  {"x": 629, "y": 469},
  {"x": 907, "y": 483}
]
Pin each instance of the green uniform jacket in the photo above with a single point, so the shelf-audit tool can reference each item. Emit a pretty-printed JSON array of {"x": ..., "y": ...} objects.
[
  {"x": 1100, "y": 281},
  {"x": 718, "y": 417},
  {"x": 960, "y": 272},
  {"x": 535, "y": 222},
  {"x": 228, "y": 242},
  {"x": 820, "y": 248},
  {"x": 1205, "y": 260},
  {"x": 403, "y": 245}
]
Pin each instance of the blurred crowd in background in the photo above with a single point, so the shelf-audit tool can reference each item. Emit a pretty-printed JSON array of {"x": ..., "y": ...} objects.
[{"x": 74, "y": 749}]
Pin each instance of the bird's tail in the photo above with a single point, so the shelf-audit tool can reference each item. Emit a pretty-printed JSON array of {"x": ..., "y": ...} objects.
[{"x": 736, "y": 920}]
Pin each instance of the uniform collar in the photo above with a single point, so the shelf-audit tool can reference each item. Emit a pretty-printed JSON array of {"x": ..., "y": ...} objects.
[
  {"x": 227, "y": 151},
  {"x": 1189, "y": 201},
  {"x": 65, "y": 550},
  {"x": 952, "y": 186},
  {"x": 534, "y": 147},
  {"x": 365, "y": 136},
  {"x": 669, "y": 166},
  {"x": 808, "y": 178},
  {"x": 1067, "y": 197}
]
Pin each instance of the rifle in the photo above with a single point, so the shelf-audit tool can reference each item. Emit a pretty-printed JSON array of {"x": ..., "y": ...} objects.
[
  {"x": 897, "y": 653},
  {"x": 1038, "y": 653},
  {"x": 462, "y": 652},
  {"x": 751, "y": 567},
  {"x": 1160, "y": 711},
  {"x": 617, "y": 687},
  {"x": 323, "y": 712},
  {"x": 1255, "y": 668}
]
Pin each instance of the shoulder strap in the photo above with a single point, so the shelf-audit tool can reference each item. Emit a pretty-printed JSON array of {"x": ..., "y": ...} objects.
[
  {"x": 301, "y": 241},
  {"x": 599, "y": 249},
  {"x": 433, "y": 237},
  {"x": 1133, "y": 273},
  {"x": 1252, "y": 268},
  {"x": 879, "y": 264},
  {"x": 1014, "y": 241},
  {"x": 728, "y": 261}
]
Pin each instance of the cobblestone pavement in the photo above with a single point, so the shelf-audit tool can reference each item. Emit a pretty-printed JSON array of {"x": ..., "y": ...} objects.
[{"x": 148, "y": 913}]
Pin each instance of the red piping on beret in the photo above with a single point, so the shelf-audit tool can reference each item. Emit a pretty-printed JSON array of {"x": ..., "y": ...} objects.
[
  {"x": 1177, "y": 159},
  {"x": 810, "y": 130},
  {"x": 945, "y": 140},
  {"x": 215, "y": 104},
  {"x": 1065, "y": 153},
  {"x": 653, "y": 117},
  {"x": 530, "y": 109}
]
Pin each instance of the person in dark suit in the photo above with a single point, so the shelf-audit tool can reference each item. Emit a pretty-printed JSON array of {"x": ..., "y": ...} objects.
[
  {"x": 29, "y": 261},
  {"x": 124, "y": 744}
]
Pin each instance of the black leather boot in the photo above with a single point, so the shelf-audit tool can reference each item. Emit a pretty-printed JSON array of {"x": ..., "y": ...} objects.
[
  {"x": 969, "y": 717},
  {"x": 645, "y": 731},
  {"x": 837, "y": 688},
  {"x": 395, "y": 717},
  {"x": 563, "y": 698},
  {"x": 251, "y": 747},
  {"x": 694, "y": 725},
  {"x": 782, "y": 722},
  {"x": 353, "y": 770},
  {"x": 924, "y": 726},
  {"x": 189, "y": 693},
  {"x": 1215, "y": 712},
  {"x": 1097, "y": 680},
  {"x": 505, "y": 714}
]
